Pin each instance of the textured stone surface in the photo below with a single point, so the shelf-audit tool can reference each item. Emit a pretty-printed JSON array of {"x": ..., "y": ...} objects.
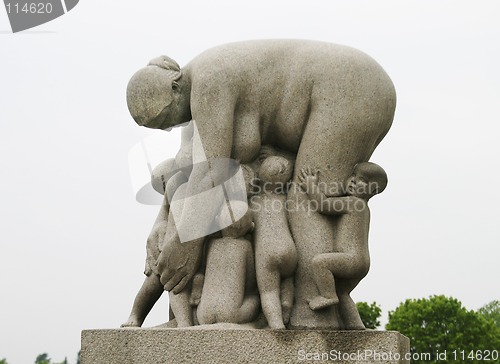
[{"x": 156, "y": 346}]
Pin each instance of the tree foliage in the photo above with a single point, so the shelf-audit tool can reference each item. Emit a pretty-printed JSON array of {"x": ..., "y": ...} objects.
[
  {"x": 370, "y": 314},
  {"x": 440, "y": 323},
  {"x": 491, "y": 311},
  {"x": 3, "y": 361},
  {"x": 42, "y": 359}
]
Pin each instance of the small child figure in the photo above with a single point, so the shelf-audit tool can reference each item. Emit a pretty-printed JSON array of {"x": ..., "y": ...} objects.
[
  {"x": 351, "y": 260},
  {"x": 275, "y": 252},
  {"x": 229, "y": 292},
  {"x": 168, "y": 178}
]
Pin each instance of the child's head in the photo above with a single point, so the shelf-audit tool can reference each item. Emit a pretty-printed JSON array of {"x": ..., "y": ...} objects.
[
  {"x": 243, "y": 216},
  {"x": 275, "y": 172},
  {"x": 367, "y": 180}
]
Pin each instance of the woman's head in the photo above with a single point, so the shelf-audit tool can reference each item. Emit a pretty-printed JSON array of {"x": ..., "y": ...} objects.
[{"x": 154, "y": 95}]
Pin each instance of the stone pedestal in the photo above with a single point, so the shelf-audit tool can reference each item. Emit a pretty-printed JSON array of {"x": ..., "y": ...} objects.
[{"x": 157, "y": 346}]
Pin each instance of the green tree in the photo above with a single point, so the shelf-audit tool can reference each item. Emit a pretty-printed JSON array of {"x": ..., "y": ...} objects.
[
  {"x": 42, "y": 359},
  {"x": 3, "y": 361},
  {"x": 440, "y": 323},
  {"x": 370, "y": 314},
  {"x": 491, "y": 311}
]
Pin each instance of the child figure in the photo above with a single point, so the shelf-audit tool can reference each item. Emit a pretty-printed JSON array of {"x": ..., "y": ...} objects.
[
  {"x": 169, "y": 179},
  {"x": 229, "y": 291},
  {"x": 337, "y": 274},
  {"x": 275, "y": 253}
]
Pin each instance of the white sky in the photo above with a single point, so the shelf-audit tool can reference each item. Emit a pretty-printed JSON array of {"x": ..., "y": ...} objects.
[{"x": 72, "y": 237}]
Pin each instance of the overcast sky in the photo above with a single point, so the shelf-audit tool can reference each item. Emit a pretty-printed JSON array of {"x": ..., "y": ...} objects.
[{"x": 72, "y": 236}]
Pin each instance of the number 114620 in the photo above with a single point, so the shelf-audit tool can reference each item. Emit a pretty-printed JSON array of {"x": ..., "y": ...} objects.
[{"x": 29, "y": 8}]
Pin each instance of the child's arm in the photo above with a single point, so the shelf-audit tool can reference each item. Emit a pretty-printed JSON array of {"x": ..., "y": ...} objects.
[
  {"x": 335, "y": 205},
  {"x": 326, "y": 205},
  {"x": 309, "y": 184}
]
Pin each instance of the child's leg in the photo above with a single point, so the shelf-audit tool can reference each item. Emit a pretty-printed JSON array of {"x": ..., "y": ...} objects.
[
  {"x": 287, "y": 292},
  {"x": 249, "y": 308},
  {"x": 181, "y": 307},
  {"x": 323, "y": 266},
  {"x": 269, "y": 288},
  {"x": 347, "y": 308},
  {"x": 147, "y": 296}
]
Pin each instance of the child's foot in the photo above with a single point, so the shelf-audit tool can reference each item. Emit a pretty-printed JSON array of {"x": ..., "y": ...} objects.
[
  {"x": 319, "y": 302},
  {"x": 276, "y": 325},
  {"x": 131, "y": 322},
  {"x": 183, "y": 323},
  {"x": 286, "y": 310}
]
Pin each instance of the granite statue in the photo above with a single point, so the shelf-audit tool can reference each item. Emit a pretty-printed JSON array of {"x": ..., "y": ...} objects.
[{"x": 326, "y": 105}]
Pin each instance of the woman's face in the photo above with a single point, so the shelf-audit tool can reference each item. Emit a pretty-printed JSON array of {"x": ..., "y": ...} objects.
[
  {"x": 165, "y": 120},
  {"x": 173, "y": 115}
]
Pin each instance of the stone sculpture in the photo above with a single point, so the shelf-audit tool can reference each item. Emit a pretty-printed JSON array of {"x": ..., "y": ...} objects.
[{"x": 321, "y": 109}]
